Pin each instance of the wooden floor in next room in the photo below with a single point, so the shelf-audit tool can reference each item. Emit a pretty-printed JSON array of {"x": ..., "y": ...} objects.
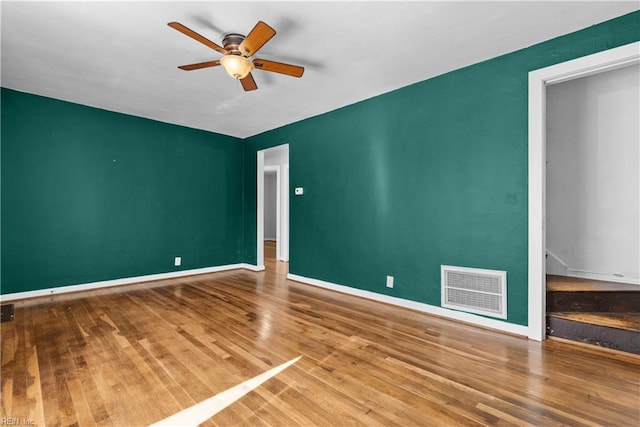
[{"x": 136, "y": 355}]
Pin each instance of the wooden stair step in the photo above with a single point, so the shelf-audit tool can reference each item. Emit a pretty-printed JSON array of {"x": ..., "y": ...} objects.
[
  {"x": 566, "y": 294},
  {"x": 628, "y": 321},
  {"x": 620, "y": 331},
  {"x": 576, "y": 284},
  {"x": 594, "y": 301}
]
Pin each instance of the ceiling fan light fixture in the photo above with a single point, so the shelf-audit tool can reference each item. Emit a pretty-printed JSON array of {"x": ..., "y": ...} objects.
[
  {"x": 237, "y": 50},
  {"x": 236, "y": 65}
]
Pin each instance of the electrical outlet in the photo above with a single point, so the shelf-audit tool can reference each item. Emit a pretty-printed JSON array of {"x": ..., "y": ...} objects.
[
  {"x": 178, "y": 261},
  {"x": 389, "y": 281}
]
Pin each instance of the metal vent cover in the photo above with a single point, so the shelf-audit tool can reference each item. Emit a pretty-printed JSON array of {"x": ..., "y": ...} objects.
[
  {"x": 475, "y": 290},
  {"x": 6, "y": 313}
]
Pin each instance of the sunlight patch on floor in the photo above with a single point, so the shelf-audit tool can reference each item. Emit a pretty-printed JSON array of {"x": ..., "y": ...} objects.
[{"x": 200, "y": 412}]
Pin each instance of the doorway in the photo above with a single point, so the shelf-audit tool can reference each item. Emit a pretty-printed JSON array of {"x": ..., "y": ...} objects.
[
  {"x": 592, "y": 181},
  {"x": 272, "y": 211},
  {"x": 538, "y": 81}
]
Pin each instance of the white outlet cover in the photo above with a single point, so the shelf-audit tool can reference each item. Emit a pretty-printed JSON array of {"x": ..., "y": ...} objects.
[
  {"x": 178, "y": 261},
  {"x": 299, "y": 191},
  {"x": 389, "y": 281}
]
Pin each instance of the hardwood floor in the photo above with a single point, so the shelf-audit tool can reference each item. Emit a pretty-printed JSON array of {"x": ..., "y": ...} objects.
[{"x": 135, "y": 355}]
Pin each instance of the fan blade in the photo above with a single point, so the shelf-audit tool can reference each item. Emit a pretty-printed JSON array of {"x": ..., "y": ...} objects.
[
  {"x": 190, "y": 33},
  {"x": 248, "y": 83},
  {"x": 199, "y": 65},
  {"x": 259, "y": 35},
  {"x": 278, "y": 67}
]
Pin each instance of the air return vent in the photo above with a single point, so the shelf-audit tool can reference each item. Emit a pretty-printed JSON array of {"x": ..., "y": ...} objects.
[{"x": 475, "y": 290}]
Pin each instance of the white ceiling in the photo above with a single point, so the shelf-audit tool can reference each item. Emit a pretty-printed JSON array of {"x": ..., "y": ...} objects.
[{"x": 122, "y": 56}]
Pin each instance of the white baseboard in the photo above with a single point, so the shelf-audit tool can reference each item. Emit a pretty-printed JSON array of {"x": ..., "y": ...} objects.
[
  {"x": 418, "y": 306},
  {"x": 252, "y": 267},
  {"x": 601, "y": 276},
  {"x": 125, "y": 281}
]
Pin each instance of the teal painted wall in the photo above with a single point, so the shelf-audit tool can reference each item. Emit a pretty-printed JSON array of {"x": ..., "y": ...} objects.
[
  {"x": 430, "y": 174},
  {"x": 434, "y": 173},
  {"x": 91, "y": 195}
]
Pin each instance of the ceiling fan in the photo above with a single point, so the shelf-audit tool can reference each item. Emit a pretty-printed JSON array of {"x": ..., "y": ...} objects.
[{"x": 237, "y": 49}]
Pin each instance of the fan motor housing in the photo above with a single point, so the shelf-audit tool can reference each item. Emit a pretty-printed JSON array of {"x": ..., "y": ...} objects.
[{"x": 230, "y": 42}]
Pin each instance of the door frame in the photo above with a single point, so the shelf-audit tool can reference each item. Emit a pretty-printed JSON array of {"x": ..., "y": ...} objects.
[
  {"x": 282, "y": 229},
  {"x": 538, "y": 81},
  {"x": 276, "y": 169}
]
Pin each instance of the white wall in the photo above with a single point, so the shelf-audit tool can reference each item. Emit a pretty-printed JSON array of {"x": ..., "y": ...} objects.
[
  {"x": 593, "y": 176},
  {"x": 270, "y": 206},
  {"x": 279, "y": 156}
]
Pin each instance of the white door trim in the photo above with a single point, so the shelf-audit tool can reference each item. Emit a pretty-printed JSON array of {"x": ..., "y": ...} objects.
[
  {"x": 538, "y": 81},
  {"x": 276, "y": 169},
  {"x": 284, "y": 232},
  {"x": 260, "y": 210}
]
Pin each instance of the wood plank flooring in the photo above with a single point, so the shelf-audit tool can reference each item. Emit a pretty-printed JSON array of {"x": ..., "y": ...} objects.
[{"x": 134, "y": 355}]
